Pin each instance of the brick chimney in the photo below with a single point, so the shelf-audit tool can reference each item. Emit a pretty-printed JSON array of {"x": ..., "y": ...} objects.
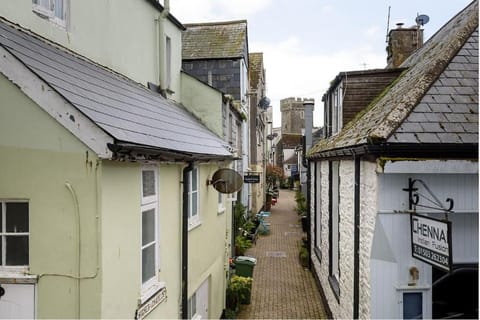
[{"x": 402, "y": 42}]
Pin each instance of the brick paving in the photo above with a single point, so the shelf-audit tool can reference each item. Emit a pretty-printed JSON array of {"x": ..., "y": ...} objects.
[{"x": 282, "y": 288}]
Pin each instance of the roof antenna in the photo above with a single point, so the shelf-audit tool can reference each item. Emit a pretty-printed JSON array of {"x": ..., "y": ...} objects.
[{"x": 388, "y": 24}]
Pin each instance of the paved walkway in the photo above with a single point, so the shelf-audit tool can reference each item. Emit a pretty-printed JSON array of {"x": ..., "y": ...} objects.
[{"x": 282, "y": 288}]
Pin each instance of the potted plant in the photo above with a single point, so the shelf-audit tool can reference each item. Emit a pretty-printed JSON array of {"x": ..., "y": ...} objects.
[
  {"x": 241, "y": 245},
  {"x": 242, "y": 286}
]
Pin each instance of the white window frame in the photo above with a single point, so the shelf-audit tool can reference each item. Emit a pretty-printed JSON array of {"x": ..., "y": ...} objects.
[
  {"x": 4, "y": 269},
  {"x": 49, "y": 12},
  {"x": 318, "y": 199},
  {"x": 193, "y": 217},
  {"x": 152, "y": 285}
]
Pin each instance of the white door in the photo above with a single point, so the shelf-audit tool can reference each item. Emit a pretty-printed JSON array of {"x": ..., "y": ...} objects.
[
  {"x": 202, "y": 301},
  {"x": 18, "y": 301}
]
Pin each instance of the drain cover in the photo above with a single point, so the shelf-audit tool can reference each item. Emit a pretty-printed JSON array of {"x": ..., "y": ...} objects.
[
  {"x": 276, "y": 254},
  {"x": 294, "y": 225},
  {"x": 294, "y": 233}
]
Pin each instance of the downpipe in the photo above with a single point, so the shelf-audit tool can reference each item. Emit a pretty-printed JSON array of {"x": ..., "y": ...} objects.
[{"x": 186, "y": 184}]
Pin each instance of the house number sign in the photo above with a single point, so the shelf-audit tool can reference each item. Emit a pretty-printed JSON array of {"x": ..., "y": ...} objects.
[{"x": 148, "y": 306}]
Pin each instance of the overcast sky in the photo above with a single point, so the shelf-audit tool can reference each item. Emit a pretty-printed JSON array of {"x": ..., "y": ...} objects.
[{"x": 306, "y": 43}]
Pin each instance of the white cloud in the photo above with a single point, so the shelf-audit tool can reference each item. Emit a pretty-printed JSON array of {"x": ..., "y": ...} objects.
[
  {"x": 216, "y": 10},
  {"x": 293, "y": 72}
]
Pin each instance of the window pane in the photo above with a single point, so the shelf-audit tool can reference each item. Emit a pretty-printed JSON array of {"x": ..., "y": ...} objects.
[
  {"x": 17, "y": 217},
  {"x": 148, "y": 263},
  {"x": 148, "y": 183},
  {"x": 59, "y": 9},
  {"x": 17, "y": 250},
  {"x": 194, "y": 179},
  {"x": 194, "y": 204},
  {"x": 412, "y": 305},
  {"x": 148, "y": 226}
]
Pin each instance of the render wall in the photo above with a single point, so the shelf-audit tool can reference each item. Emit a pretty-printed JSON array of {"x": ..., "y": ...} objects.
[
  {"x": 122, "y": 35},
  {"x": 121, "y": 238},
  {"x": 342, "y": 306},
  {"x": 40, "y": 161}
]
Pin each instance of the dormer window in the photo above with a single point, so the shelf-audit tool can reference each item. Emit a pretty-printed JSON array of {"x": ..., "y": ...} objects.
[{"x": 53, "y": 10}]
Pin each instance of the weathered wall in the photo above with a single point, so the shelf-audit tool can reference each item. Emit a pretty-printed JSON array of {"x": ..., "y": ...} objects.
[
  {"x": 343, "y": 307},
  {"x": 204, "y": 102},
  {"x": 122, "y": 35},
  {"x": 39, "y": 158}
]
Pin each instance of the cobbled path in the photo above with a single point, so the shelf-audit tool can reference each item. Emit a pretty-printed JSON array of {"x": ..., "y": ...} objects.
[{"x": 282, "y": 288}]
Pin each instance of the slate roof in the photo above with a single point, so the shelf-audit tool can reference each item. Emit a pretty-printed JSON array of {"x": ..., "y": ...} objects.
[
  {"x": 215, "y": 40},
  {"x": 433, "y": 103},
  {"x": 124, "y": 109}
]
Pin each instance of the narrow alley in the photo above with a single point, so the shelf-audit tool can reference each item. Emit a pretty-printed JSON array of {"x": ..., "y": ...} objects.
[{"x": 282, "y": 288}]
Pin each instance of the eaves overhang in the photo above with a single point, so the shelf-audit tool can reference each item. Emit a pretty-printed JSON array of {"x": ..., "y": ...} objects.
[
  {"x": 160, "y": 8},
  {"x": 402, "y": 150},
  {"x": 126, "y": 151}
]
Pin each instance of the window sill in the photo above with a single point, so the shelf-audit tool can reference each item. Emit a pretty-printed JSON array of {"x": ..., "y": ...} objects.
[
  {"x": 48, "y": 15},
  {"x": 335, "y": 287},
  {"x": 194, "y": 224},
  {"x": 151, "y": 291},
  {"x": 10, "y": 277}
]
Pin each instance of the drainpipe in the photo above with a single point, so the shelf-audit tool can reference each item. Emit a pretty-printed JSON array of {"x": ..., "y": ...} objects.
[
  {"x": 356, "y": 242},
  {"x": 161, "y": 37},
  {"x": 308, "y": 113},
  {"x": 186, "y": 184}
]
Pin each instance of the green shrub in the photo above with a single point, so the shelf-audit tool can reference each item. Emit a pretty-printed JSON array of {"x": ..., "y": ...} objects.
[{"x": 242, "y": 244}]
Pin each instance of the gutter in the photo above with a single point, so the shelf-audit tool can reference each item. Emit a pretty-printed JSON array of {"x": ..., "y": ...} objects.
[
  {"x": 419, "y": 150},
  {"x": 186, "y": 184}
]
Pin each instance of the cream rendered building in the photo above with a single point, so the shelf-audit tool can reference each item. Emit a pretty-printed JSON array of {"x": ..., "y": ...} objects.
[{"x": 97, "y": 170}]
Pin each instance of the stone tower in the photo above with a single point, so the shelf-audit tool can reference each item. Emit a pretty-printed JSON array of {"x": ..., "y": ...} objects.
[{"x": 293, "y": 115}]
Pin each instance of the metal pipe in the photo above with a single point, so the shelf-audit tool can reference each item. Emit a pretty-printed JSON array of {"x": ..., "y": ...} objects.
[
  {"x": 186, "y": 184},
  {"x": 356, "y": 242},
  {"x": 79, "y": 246}
]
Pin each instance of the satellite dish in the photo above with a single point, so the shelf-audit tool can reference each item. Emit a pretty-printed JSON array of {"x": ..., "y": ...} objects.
[
  {"x": 264, "y": 103},
  {"x": 226, "y": 181},
  {"x": 422, "y": 20}
]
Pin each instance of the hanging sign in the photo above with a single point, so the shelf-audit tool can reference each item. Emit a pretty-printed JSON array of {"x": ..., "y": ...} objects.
[
  {"x": 251, "y": 178},
  {"x": 431, "y": 241}
]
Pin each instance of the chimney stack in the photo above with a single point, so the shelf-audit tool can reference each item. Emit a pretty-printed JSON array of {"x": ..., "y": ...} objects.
[{"x": 402, "y": 42}]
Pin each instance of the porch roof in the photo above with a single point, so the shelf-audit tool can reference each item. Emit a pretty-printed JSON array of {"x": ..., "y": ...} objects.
[{"x": 134, "y": 116}]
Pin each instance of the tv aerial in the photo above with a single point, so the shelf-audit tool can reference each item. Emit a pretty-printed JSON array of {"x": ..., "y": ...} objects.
[
  {"x": 226, "y": 181},
  {"x": 422, "y": 19}
]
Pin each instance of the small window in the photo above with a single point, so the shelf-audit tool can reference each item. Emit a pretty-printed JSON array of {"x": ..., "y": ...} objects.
[
  {"x": 193, "y": 199},
  {"x": 14, "y": 234},
  {"x": 54, "y": 10},
  {"x": 192, "y": 306},
  {"x": 149, "y": 220},
  {"x": 412, "y": 305},
  {"x": 168, "y": 62}
]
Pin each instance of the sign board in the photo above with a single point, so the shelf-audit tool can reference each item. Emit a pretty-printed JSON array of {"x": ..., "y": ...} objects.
[
  {"x": 431, "y": 241},
  {"x": 251, "y": 178},
  {"x": 152, "y": 303}
]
